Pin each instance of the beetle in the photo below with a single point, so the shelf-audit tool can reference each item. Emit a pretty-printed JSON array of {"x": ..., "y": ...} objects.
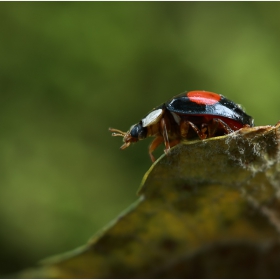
[{"x": 189, "y": 115}]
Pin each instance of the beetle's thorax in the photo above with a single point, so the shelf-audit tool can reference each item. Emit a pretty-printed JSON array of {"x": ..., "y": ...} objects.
[{"x": 169, "y": 123}]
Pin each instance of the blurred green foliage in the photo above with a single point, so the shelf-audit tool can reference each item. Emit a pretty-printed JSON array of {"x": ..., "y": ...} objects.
[{"x": 68, "y": 71}]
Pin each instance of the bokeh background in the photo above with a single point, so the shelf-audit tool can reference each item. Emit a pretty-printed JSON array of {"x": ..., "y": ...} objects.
[{"x": 69, "y": 71}]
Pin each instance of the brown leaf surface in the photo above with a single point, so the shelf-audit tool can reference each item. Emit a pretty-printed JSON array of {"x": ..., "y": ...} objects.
[{"x": 208, "y": 209}]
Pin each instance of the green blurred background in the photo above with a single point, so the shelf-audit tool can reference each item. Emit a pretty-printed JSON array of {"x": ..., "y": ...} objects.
[{"x": 69, "y": 71}]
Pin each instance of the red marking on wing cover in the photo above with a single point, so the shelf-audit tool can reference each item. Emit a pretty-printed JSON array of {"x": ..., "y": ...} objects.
[{"x": 203, "y": 97}]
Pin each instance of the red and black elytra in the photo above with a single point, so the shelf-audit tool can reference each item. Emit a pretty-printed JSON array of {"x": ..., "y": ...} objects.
[{"x": 188, "y": 115}]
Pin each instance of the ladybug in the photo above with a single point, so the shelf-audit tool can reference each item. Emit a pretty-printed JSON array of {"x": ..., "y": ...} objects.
[{"x": 189, "y": 115}]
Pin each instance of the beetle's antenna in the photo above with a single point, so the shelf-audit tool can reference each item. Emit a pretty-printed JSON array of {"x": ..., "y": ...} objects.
[{"x": 118, "y": 132}]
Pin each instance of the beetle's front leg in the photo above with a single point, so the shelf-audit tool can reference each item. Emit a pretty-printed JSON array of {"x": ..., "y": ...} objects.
[
  {"x": 156, "y": 142},
  {"x": 164, "y": 133}
]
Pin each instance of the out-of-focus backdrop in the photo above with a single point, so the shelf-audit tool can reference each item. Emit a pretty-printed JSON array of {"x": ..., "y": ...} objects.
[{"x": 69, "y": 71}]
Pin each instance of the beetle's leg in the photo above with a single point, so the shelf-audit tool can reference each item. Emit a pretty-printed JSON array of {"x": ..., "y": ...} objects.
[
  {"x": 184, "y": 128},
  {"x": 215, "y": 124},
  {"x": 156, "y": 142},
  {"x": 248, "y": 126},
  {"x": 211, "y": 128},
  {"x": 173, "y": 143},
  {"x": 201, "y": 133},
  {"x": 165, "y": 135}
]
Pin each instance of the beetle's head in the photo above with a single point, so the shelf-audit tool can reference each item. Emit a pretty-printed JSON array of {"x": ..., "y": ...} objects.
[{"x": 136, "y": 132}]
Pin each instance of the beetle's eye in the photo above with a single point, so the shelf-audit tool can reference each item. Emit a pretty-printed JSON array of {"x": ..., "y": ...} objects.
[{"x": 138, "y": 131}]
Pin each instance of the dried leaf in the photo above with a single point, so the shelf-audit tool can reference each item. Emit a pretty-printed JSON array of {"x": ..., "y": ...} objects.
[{"x": 209, "y": 209}]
